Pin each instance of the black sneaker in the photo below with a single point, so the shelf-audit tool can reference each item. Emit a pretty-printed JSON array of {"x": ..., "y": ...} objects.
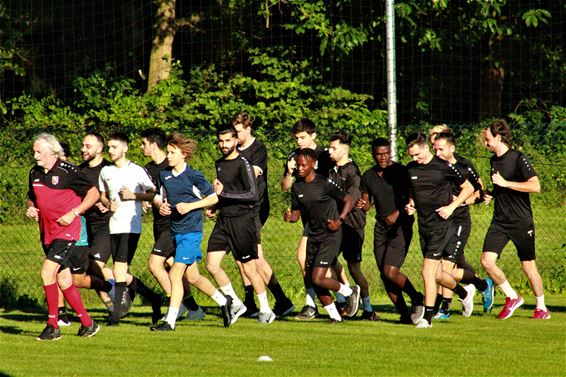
[
  {"x": 112, "y": 322},
  {"x": 162, "y": 326},
  {"x": 353, "y": 302},
  {"x": 283, "y": 308},
  {"x": 307, "y": 312},
  {"x": 226, "y": 311},
  {"x": 49, "y": 333},
  {"x": 369, "y": 316},
  {"x": 88, "y": 331},
  {"x": 341, "y": 307}
]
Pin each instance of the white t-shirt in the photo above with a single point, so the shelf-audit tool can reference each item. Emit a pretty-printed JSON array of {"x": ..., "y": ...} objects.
[{"x": 128, "y": 216}]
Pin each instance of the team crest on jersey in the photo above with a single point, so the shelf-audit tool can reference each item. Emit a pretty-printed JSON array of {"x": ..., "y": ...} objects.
[{"x": 54, "y": 180}]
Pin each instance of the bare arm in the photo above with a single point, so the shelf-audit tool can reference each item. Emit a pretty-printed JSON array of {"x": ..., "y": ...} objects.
[
  {"x": 467, "y": 190},
  {"x": 532, "y": 185}
]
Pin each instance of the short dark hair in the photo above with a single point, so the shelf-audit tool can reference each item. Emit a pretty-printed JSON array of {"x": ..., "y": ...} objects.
[
  {"x": 98, "y": 136},
  {"x": 416, "y": 138},
  {"x": 66, "y": 149},
  {"x": 225, "y": 130},
  {"x": 380, "y": 142},
  {"x": 342, "y": 136},
  {"x": 448, "y": 136},
  {"x": 501, "y": 128},
  {"x": 304, "y": 125},
  {"x": 155, "y": 135},
  {"x": 308, "y": 153},
  {"x": 120, "y": 136}
]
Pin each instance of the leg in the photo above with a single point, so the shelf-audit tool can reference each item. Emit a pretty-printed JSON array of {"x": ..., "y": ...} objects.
[{"x": 156, "y": 265}]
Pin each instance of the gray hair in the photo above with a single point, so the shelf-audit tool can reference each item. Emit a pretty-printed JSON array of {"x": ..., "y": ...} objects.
[{"x": 52, "y": 142}]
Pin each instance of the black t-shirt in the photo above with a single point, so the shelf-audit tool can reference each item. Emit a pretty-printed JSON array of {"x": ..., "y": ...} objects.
[
  {"x": 240, "y": 192},
  {"x": 323, "y": 162},
  {"x": 153, "y": 169},
  {"x": 317, "y": 202},
  {"x": 512, "y": 205},
  {"x": 388, "y": 191},
  {"x": 348, "y": 178},
  {"x": 93, "y": 215},
  {"x": 462, "y": 214},
  {"x": 256, "y": 154},
  {"x": 431, "y": 189}
]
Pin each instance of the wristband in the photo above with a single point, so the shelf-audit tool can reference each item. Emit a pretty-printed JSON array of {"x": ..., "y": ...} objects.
[
  {"x": 75, "y": 212},
  {"x": 341, "y": 220}
]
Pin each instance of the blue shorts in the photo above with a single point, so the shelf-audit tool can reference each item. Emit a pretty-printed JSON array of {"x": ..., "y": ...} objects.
[{"x": 188, "y": 247}]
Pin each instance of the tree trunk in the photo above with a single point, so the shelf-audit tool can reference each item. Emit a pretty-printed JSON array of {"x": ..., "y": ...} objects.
[
  {"x": 162, "y": 44},
  {"x": 491, "y": 91}
]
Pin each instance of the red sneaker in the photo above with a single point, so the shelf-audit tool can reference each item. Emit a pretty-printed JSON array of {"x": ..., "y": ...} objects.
[
  {"x": 541, "y": 314},
  {"x": 510, "y": 307}
]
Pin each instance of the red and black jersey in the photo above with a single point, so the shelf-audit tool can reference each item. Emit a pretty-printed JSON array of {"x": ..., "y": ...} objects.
[{"x": 55, "y": 193}]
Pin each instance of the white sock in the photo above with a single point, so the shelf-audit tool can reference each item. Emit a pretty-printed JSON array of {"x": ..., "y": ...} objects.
[
  {"x": 171, "y": 317},
  {"x": 219, "y": 298},
  {"x": 229, "y": 291},
  {"x": 263, "y": 303},
  {"x": 309, "y": 299},
  {"x": 367, "y": 304},
  {"x": 507, "y": 290},
  {"x": 540, "y": 303},
  {"x": 333, "y": 312},
  {"x": 345, "y": 290}
]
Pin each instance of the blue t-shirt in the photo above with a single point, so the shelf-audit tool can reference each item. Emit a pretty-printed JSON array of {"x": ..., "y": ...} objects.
[{"x": 187, "y": 187}]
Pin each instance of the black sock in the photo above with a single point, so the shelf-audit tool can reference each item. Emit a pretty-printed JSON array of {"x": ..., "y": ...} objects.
[
  {"x": 460, "y": 291},
  {"x": 62, "y": 310},
  {"x": 190, "y": 303},
  {"x": 139, "y": 287},
  {"x": 99, "y": 284},
  {"x": 469, "y": 278},
  {"x": 120, "y": 300},
  {"x": 428, "y": 313},
  {"x": 249, "y": 294},
  {"x": 276, "y": 290},
  {"x": 445, "y": 306},
  {"x": 437, "y": 302}
]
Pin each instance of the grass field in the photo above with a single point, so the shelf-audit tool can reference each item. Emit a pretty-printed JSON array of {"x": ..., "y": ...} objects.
[{"x": 477, "y": 346}]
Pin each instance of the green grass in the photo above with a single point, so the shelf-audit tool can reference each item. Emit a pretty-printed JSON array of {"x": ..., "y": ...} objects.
[{"x": 478, "y": 346}]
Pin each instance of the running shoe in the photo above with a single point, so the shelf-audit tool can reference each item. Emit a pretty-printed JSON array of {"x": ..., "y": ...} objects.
[
  {"x": 487, "y": 295},
  {"x": 89, "y": 331},
  {"x": 49, "y": 333},
  {"x": 307, "y": 313},
  {"x": 510, "y": 306},
  {"x": 468, "y": 301},
  {"x": 266, "y": 317},
  {"x": 541, "y": 314},
  {"x": 353, "y": 302}
]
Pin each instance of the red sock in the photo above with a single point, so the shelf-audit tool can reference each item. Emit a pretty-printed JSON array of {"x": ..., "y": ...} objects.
[
  {"x": 73, "y": 297},
  {"x": 52, "y": 296}
]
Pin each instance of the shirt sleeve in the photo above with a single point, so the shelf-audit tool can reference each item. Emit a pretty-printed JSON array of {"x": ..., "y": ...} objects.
[
  {"x": 453, "y": 174},
  {"x": 145, "y": 181},
  {"x": 525, "y": 167},
  {"x": 259, "y": 158},
  {"x": 80, "y": 183},
  {"x": 246, "y": 174},
  {"x": 200, "y": 182},
  {"x": 335, "y": 191},
  {"x": 101, "y": 184}
]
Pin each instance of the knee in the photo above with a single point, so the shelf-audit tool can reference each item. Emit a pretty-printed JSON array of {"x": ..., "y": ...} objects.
[
  {"x": 487, "y": 263},
  {"x": 212, "y": 268}
]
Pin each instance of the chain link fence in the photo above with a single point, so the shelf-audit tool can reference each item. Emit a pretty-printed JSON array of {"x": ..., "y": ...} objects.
[{"x": 21, "y": 254}]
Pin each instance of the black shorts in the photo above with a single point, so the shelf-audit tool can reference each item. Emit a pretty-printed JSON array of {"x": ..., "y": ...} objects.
[
  {"x": 79, "y": 259},
  {"x": 458, "y": 242},
  {"x": 522, "y": 234},
  {"x": 237, "y": 234},
  {"x": 322, "y": 251},
  {"x": 99, "y": 241},
  {"x": 391, "y": 243},
  {"x": 59, "y": 251},
  {"x": 124, "y": 246},
  {"x": 164, "y": 245},
  {"x": 351, "y": 244},
  {"x": 434, "y": 242}
]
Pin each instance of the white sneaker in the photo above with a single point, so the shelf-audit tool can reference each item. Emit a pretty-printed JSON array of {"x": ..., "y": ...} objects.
[
  {"x": 423, "y": 324},
  {"x": 237, "y": 311},
  {"x": 63, "y": 321},
  {"x": 196, "y": 315},
  {"x": 266, "y": 317},
  {"x": 468, "y": 302}
]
